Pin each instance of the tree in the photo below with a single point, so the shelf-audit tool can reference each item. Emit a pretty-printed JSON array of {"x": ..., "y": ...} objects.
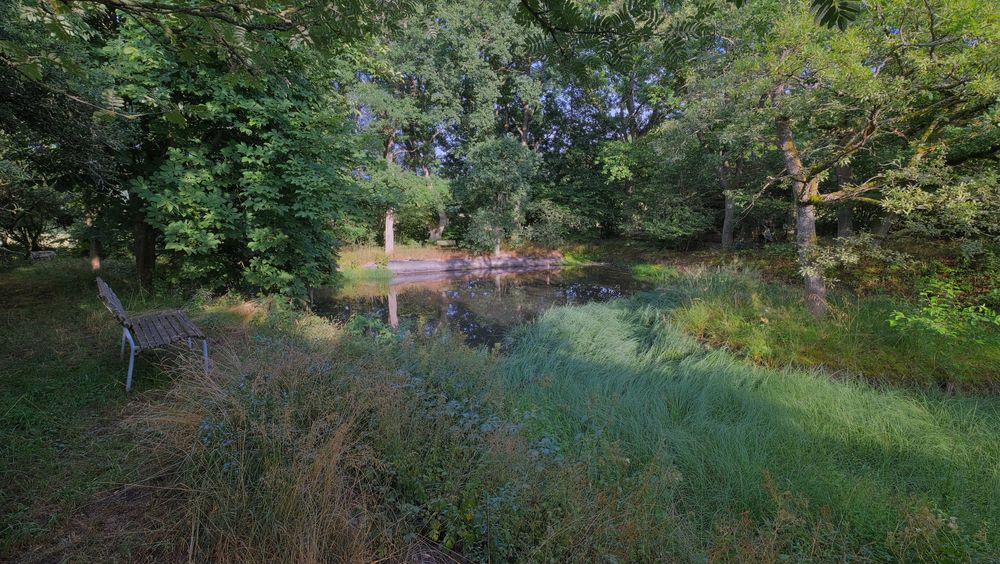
[
  {"x": 233, "y": 148},
  {"x": 28, "y": 205},
  {"x": 496, "y": 189},
  {"x": 249, "y": 174},
  {"x": 905, "y": 70},
  {"x": 448, "y": 75}
]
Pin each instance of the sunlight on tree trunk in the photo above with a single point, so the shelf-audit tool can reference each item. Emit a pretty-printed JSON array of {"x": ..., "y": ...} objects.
[
  {"x": 805, "y": 192},
  {"x": 805, "y": 239},
  {"x": 95, "y": 254},
  {"x": 438, "y": 232},
  {"x": 94, "y": 245},
  {"x": 390, "y": 232}
]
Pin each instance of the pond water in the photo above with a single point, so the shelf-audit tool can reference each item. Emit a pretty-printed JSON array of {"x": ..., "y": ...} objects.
[{"x": 483, "y": 306}]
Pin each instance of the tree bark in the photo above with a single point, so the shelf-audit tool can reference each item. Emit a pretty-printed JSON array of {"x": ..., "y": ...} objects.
[
  {"x": 390, "y": 232},
  {"x": 393, "y": 308},
  {"x": 805, "y": 239},
  {"x": 845, "y": 210},
  {"x": 95, "y": 254},
  {"x": 728, "y": 222},
  {"x": 726, "y": 178},
  {"x": 805, "y": 192},
  {"x": 845, "y": 219},
  {"x": 438, "y": 232}
]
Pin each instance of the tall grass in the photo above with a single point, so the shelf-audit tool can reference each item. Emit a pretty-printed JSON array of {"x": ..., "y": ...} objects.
[
  {"x": 306, "y": 443},
  {"x": 768, "y": 323},
  {"x": 794, "y": 462},
  {"x": 605, "y": 434}
]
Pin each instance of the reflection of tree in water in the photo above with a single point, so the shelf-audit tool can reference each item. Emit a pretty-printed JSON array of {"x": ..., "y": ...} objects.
[{"x": 483, "y": 307}]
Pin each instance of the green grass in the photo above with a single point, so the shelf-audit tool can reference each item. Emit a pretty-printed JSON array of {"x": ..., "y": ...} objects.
[
  {"x": 768, "y": 323},
  {"x": 606, "y": 433},
  {"x": 819, "y": 467},
  {"x": 61, "y": 393}
]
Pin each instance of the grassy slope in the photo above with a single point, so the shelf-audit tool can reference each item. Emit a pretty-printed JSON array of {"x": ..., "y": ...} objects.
[
  {"x": 605, "y": 433},
  {"x": 619, "y": 381}
]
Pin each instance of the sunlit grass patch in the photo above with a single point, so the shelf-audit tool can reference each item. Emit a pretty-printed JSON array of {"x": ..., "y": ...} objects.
[
  {"x": 361, "y": 256},
  {"x": 768, "y": 323}
]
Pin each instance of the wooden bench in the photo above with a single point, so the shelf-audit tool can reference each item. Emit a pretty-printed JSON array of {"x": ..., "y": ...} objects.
[{"x": 151, "y": 330}]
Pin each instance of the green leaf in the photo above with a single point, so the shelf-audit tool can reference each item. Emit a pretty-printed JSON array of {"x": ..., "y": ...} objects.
[
  {"x": 32, "y": 70},
  {"x": 837, "y": 13},
  {"x": 175, "y": 117}
]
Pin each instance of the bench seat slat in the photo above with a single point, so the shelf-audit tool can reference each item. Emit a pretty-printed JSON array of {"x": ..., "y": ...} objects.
[{"x": 160, "y": 329}]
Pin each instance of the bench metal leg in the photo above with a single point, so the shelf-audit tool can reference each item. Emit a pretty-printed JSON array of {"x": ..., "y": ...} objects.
[
  {"x": 204, "y": 347},
  {"x": 127, "y": 335}
]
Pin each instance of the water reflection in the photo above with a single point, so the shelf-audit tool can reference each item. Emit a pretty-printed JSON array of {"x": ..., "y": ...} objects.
[{"x": 483, "y": 306}]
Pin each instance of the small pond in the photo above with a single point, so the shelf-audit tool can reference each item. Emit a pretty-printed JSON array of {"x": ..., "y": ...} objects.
[{"x": 481, "y": 305}]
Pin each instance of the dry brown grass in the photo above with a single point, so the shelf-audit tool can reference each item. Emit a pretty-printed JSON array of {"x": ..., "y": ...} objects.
[
  {"x": 264, "y": 481},
  {"x": 357, "y": 257},
  {"x": 305, "y": 444}
]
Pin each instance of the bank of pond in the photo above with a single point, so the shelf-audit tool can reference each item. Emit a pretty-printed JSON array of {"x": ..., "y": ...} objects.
[{"x": 563, "y": 414}]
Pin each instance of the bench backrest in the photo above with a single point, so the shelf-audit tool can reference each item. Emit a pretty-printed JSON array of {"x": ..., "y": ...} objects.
[{"x": 111, "y": 301}]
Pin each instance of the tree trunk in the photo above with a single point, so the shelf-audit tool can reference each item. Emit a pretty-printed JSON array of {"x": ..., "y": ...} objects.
[
  {"x": 145, "y": 252},
  {"x": 390, "y": 232},
  {"x": 805, "y": 192},
  {"x": 885, "y": 225},
  {"x": 95, "y": 254},
  {"x": 496, "y": 247},
  {"x": 728, "y": 222},
  {"x": 727, "y": 175},
  {"x": 845, "y": 210},
  {"x": 805, "y": 239},
  {"x": 438, "y": 232},
  {"x": 845, "y": 219}
]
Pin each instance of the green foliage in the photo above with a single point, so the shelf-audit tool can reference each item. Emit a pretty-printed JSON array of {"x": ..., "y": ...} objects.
[
  {"x": 497, "y": 185},
  {"x": 848, "y": 252},
  {"x": 767, "y": 323},
  {"x": 945, "y": 309},
  {"x": 416, "y": 200},
  {"x": 550, "y": 224},
  {"x": 661, "y": 202},
  {"x": 938, "y": 201},
  {"x": 28, "y": 206},
  {"x": 252, "y": 177}
]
